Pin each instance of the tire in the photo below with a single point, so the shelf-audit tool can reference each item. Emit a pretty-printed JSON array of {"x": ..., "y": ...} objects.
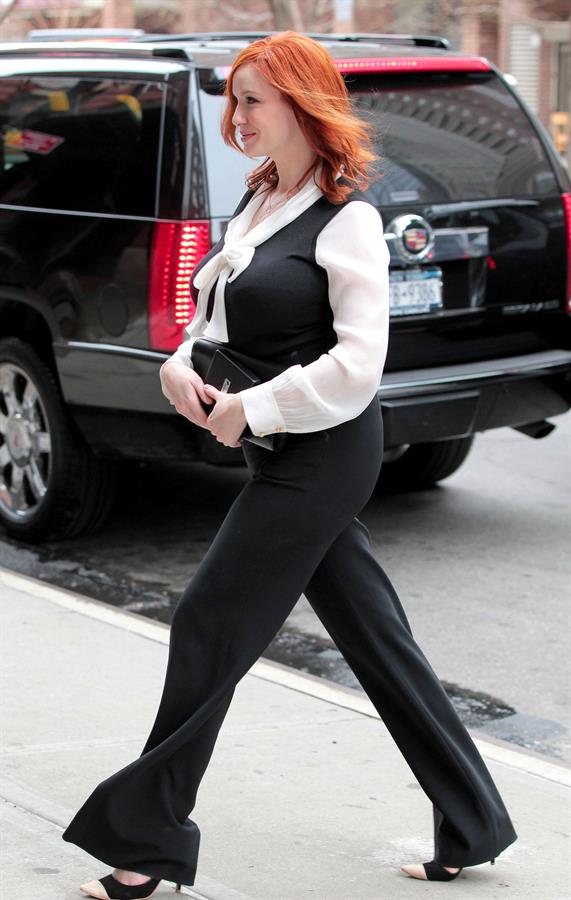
[
  {"x": 423, "y": 465},
  {"x": 51, "y": 484}
]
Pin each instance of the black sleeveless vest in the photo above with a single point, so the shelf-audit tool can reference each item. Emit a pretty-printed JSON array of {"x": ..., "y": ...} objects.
[{"x": 278, "y": 308}]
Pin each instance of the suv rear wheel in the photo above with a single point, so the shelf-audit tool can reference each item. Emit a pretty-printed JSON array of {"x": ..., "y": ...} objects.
[
  {"x": 51, "y": 484},
  {"x": 422, "y": 465}
]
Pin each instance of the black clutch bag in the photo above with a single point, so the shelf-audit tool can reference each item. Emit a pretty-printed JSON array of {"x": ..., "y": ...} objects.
[{"x": 232, "y": 371}]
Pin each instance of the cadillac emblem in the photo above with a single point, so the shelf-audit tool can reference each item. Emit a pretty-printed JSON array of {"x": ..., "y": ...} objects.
[{"x": 413, "y": 236}]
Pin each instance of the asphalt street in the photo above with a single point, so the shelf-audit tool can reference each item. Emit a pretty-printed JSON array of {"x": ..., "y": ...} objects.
[{"x": 481, "y": 564}]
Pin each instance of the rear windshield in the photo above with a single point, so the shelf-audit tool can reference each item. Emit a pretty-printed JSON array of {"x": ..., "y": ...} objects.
[{"x": 440, "y": 137}]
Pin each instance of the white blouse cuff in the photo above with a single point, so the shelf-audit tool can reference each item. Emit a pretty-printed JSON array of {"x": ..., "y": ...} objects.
[
  {"x": 182, "y": 354},
  {"x": 261, "y": 410}
]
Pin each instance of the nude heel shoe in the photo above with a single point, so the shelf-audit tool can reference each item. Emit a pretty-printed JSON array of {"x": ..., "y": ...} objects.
[
  {"x": 433, "y": 871},
  {"x": 108, "y": 888}
]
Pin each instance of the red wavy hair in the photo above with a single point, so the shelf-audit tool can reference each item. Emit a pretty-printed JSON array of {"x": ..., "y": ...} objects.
[{"x": 304, "y": 71}]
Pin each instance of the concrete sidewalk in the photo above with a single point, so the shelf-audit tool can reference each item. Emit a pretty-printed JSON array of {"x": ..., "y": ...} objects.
[{"x": 306, "y": 794}]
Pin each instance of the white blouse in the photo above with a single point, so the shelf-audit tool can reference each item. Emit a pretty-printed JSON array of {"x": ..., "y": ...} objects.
[{"x": 341, "y": 383}]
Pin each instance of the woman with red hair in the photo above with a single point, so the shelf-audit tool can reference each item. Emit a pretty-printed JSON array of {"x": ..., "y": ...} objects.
[{"x": 299, "y": 278}]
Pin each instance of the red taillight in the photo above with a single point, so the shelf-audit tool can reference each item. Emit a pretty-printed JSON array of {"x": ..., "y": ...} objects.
[
  {"x": 414, "y": 64},
  {"x": 566, "y": 198},
  {"x": 177, "y": 249}
]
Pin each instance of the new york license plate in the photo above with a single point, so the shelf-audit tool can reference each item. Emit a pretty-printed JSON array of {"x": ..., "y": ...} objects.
[{"x": 415, "y": 290}]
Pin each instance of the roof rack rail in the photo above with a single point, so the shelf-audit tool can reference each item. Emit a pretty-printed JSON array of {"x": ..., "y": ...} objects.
[
  {"x": 73, "y": 49},
  {"x": 419, "y": 40}
]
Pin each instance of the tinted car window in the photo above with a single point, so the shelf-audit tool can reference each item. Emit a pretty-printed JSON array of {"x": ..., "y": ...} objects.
[
  {"x": 441, "y": 137},
  {"x": 451, "y": 137},
  {"x": 80, "y": 144}
]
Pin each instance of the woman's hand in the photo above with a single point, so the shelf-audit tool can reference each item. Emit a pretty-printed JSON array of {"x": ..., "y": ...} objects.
[
  {"x": 227, "y": 420},
  {"x": 184, "y": 388}
]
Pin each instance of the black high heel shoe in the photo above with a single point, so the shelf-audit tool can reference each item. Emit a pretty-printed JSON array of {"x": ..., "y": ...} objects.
[
  {"x": 434, "y": 871},
  {"x": 108, "y": 888}
]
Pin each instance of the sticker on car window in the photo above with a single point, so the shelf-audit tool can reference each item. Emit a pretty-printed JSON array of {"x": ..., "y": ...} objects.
[{"x": 31, "y": 141}]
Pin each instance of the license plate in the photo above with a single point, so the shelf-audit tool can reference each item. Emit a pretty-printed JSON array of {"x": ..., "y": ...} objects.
[{"x": 414, "y": 291}]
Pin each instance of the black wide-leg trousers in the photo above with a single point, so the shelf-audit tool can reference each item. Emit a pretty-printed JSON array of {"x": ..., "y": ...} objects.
[{"x": 293, "y": 529}]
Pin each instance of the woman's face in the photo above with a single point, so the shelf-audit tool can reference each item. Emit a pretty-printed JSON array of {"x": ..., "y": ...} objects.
[{"x": 263, "y": 117}]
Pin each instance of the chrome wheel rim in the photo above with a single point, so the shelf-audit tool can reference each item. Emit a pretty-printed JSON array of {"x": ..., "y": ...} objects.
[{"x": 25, "y": 445}]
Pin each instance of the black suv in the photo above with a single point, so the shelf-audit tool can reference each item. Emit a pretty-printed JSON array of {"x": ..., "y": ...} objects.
[{"x": 114, "y": 181}]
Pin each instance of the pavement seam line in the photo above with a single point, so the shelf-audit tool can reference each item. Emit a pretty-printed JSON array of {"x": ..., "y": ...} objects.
[
  {"x": 278, "y": 673},
  {"x": 32, "y": 812},
  {"x": 103, "y": 743}
]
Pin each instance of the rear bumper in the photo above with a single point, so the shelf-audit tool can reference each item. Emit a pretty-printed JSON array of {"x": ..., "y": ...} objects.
[
  {"x": 455, "y": 401},
  {"x": 114, "y": 393}
]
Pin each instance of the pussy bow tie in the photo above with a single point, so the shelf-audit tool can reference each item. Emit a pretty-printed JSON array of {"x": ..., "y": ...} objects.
[
  {"x": 234, "y": 256},
  {"x": 226, "y": 265},
  {"x": 237, "y": 254}
]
